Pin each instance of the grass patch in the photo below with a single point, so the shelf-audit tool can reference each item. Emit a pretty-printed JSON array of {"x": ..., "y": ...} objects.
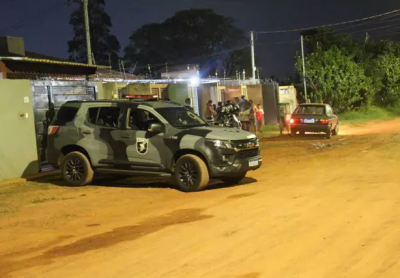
[
  {"x": 270, "y": 128},
  {"x": 365, "y": 115}
]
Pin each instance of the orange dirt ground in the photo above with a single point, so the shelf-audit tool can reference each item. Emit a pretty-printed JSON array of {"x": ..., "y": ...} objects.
[{"x": 312, "y": 210}]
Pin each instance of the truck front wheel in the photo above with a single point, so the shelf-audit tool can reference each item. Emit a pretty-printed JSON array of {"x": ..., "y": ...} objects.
[{"x": 191, "y": 173}]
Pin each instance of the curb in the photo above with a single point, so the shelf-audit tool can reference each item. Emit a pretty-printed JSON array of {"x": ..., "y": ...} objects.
[{"x": 30, "y": 177}]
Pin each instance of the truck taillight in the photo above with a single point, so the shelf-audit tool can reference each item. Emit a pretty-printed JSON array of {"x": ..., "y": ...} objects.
[{"x": 52, "y": 129}]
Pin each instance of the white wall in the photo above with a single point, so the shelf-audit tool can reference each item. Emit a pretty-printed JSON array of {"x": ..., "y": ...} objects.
[{"x": 18, "y": 150}]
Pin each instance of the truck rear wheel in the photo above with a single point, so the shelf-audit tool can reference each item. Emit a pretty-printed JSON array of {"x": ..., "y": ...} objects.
[
  {"x": 76, "y": 169},
  {"x": 191, "y": 173}
]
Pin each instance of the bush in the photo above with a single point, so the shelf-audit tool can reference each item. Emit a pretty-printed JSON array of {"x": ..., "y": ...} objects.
[
  {"x": 369, "y": 114},
  {"x": 394, "y": 109}
]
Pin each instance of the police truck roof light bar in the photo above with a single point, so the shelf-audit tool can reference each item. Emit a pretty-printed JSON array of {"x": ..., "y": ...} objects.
[{"x": 141, "y": 97}]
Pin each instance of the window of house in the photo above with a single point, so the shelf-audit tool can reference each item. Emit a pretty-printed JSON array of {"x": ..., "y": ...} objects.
[{"x": 105, "y": 116}]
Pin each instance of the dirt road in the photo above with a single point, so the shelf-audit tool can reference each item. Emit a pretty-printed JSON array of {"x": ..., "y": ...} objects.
[{"x": 313, "y": 210}]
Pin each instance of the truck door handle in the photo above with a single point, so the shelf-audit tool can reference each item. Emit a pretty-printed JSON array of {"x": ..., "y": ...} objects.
[
  {"x": 86, "y": 132},
  {"x": 126, "y": 136}
]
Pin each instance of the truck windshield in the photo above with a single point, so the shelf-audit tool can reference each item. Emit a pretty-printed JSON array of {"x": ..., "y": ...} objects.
[{"x": 180, "y": 117}]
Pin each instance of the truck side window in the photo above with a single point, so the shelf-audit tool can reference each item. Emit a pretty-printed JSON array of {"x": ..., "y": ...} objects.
[
  {"x": 105, "y": 116},
  {"x": 141, "y": 120}
]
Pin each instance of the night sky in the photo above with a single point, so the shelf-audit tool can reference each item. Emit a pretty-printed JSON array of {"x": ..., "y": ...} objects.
[{"x": 45, "y": 23}]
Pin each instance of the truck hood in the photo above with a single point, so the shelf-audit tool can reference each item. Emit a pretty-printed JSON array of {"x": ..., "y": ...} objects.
[{"x": 224, "y": 133}]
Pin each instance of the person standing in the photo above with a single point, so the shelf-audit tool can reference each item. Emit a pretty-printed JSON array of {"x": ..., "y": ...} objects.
[
  {"x": 252, "y": 117},
  {"x": 219, "y": 111},
  {"x": 244, "y": 115},
  {"x": 260, "y": 117},
  {"x": 188, "y": 105},
  {"x": 210, "y": 113}
]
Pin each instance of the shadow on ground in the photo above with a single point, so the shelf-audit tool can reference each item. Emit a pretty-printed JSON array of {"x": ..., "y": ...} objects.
[{"x": 139, "y": 182}]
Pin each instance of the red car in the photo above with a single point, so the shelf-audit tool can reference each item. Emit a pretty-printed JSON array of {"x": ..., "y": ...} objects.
[{"x": 316, "y": 118}]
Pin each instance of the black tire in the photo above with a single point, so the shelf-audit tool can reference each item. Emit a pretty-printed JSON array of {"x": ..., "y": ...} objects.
[
  {"x": 302, "y": 133},
  {"x": 234, "y": 180},
  {"x": 292, "y": 132},
  {"x": 191, "y": 173},
  {"x": 329, "y": 133},
  {"x": 76, "y": 169},
  {"x": 336, "y": 130}
]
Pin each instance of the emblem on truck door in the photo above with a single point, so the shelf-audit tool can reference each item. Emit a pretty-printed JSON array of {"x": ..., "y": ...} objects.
[{"x": 142, "y": 145}]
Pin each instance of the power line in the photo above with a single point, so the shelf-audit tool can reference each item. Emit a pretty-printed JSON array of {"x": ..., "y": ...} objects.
[
  {"x": 331, "y": 25},
  {"x": 373, "y": 29},
  {"x": 368, "y": 29},
  {"x": 377, "y": 21}
]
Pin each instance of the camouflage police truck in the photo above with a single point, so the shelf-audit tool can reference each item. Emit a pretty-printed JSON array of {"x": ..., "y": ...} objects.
[{"x": 147, "y": 137}]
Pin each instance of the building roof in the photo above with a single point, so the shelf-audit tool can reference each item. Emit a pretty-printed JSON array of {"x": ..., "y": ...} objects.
[
  {"x": 53, "y": 62},
  {"x": 155, "y": 104}
]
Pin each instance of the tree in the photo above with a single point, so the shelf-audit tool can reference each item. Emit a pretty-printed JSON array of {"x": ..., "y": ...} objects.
[
  {"x": 105, "y": 46},
  {"x": 378, "y": 59},
  {"x": 335, "y": 78},
  {"x": 196, "y": 36},
  {"x": 237, "y": 60},
  {"x": 387, "y": 70}
]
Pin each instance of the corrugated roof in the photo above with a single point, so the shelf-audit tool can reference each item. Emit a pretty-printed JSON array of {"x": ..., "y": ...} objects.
[{"x": 53, "y": 62}]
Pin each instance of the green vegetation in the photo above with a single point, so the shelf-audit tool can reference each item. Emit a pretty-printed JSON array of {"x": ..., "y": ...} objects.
[
  {"x": 195, "y": 36},
  {"x": 105, "y": 46},
  {"x": 352, "y": 74},
  {"x": 372, "y": 113},
  {"x": 270, "y": 128}
]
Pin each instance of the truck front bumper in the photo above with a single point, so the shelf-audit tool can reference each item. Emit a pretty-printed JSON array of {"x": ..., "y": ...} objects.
[{"x": 235, "y": 168}]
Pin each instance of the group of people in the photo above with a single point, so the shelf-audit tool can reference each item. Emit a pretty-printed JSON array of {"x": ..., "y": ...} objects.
[{"x": 250, "y": 115}]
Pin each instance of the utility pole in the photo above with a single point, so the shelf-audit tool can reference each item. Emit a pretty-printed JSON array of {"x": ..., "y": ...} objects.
[
  {"x": 109, "y": 61},
  {"x": 224, "y": 76},
  {"x": 366, "y": 37},
  {"x": 253, "y": 62},
  {"x": 166, "y": 70},
  {"x": 87, "y": 28},
  {"x": 304, "y": 69},
  {"x": 123, "y": 67}
]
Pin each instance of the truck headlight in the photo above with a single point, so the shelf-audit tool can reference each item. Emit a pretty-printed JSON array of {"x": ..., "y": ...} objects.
[{"x": 222, "y": 144}]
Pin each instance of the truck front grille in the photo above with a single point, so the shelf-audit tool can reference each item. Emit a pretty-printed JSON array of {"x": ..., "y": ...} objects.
[{"x": 248, "y": 153}]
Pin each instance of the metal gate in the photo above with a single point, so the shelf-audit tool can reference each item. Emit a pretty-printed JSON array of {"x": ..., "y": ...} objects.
[{"x": 48, "y": 97}]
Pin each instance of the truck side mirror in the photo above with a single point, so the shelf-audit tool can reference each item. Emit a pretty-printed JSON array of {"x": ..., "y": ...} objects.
[{"x": 156, "y": 128}]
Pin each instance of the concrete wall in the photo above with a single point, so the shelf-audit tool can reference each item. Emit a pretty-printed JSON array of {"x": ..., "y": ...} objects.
[
  {"x": 287, "y": 94},
  {"x": 206, "y": 92},
  {"x": 107, "y": 90},
  {"x": 270, "y": 102},
  {"x": 177, "y": 93},
  {"x": 139, "y": 89},
  {"x": 18, "y": 151},
  {"x": 254, "y": 93},
  {"x": 232, "y": 91}
]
